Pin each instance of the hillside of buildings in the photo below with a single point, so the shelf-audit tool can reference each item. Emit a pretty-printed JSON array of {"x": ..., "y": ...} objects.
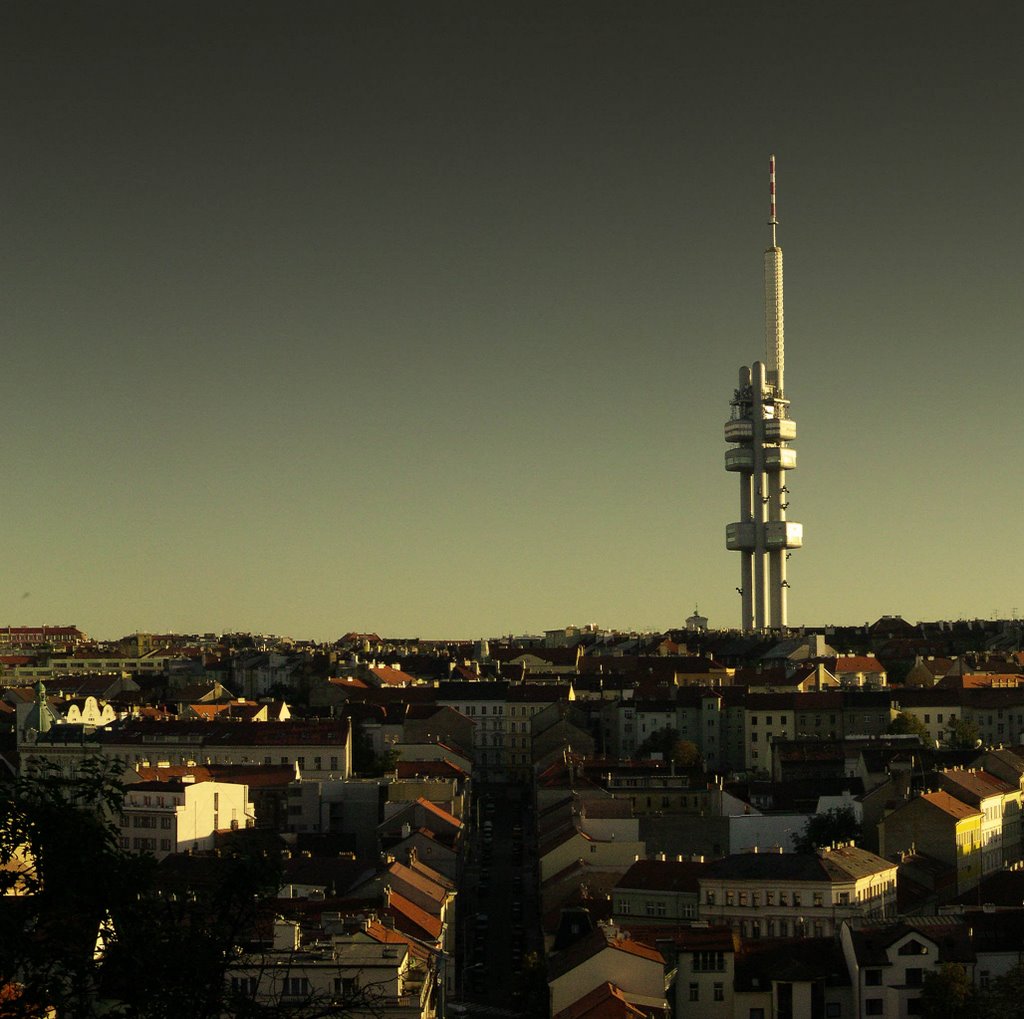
[{"x": 582, "y": 822}]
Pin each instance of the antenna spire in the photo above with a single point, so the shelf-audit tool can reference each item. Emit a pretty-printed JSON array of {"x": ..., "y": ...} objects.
[{"x": 773, "y": 221}]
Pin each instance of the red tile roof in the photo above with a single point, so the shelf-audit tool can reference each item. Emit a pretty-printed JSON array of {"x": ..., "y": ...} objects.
[
  {"x": 950, "y": 805},
  {"x": 605, "y": 1001}
]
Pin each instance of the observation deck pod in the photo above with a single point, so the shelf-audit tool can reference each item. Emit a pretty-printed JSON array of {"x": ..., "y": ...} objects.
[
  {"x": 739, "y": 537},
  {"x": 782, "y": 534},
  {"x": 778, "y": 430},
  {"x": 739, "y": 430},
  {"x": 741, "y": 459},
  {"x": 776, "y": 458}
]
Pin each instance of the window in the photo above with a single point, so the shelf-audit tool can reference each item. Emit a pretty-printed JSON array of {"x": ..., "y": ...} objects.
[
  {"x": 844, "y": 898},
  {"x": 833, "y": 1010},
  {"x": 796, "y": 898},
  {"x": 872, "y": 978},
  {"x": 756, "y": 1013},
  {"x": 819, "y": 899},
  {"x": 730, "y": 898},
  {"x": 649, "y": 908},
  {"x": 719, "y": 992},
  {"x": 711, "y": 898},
  {"x": 915, "y": 977},
  {"x": 694, "y": 992},
  {"x": 874, "y": 1006},
  {"x": 296, "y": 986},
  {"x": 769, "y": 898},
  {"x": 708, "y": 962}
]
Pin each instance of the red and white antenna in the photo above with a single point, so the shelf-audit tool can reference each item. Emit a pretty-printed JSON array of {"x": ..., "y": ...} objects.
[{"x": 772, "y": 218}]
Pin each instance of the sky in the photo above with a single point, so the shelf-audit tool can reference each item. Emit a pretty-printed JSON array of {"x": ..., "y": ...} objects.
[{"x": 424, "y": 318}]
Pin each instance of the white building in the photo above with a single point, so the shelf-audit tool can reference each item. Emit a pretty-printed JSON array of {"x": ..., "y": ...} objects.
[{"x": 171, "y": 817}]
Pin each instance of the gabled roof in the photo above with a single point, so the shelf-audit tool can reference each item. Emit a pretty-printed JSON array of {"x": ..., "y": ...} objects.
[
  {"x": 606, "y": 1001},
  {"x": 803, "y": 960},
  {"x": 597, "y": 941},
  {"x": 410, "y": 918},
  {"x": 661, "y": 875},
  {"x": 950, "y": 805},
  {"x": 976, "y": 785},
  {"x": 872, "y": 941},
  {"x": 388, "y": 676},
  {"x": 416, "y": 879},
  {"x": 429, "y": 769}
]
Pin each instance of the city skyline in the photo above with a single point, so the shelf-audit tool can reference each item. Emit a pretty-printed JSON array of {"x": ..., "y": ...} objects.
[{"x": 419, "y": 319}]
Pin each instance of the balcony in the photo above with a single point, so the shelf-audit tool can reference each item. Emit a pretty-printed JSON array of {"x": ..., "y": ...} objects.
[
  {"x": 783, "y": 430},
  {"x": 741, "y": 430}
]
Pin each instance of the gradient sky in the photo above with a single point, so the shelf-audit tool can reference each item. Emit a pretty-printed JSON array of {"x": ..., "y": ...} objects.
[{"x": 424, "y": 318}]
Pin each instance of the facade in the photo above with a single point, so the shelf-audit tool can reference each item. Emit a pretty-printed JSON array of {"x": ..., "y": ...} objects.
[
  {"x": 608, "y": 955},
  {"x": 656, "y": 892},
  {"x": 997, "y": 802},
  {"x": 781, "y": 895},
  {"x": 320, "y": 749},
  {"x": 888, "y": 962},
  {"x": 941, "y": 826},
  {"x": 373, "y": 970},
  {"x": 181, "y": 815}
]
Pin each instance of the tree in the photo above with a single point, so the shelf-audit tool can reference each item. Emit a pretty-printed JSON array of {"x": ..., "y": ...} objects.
[
  {"x": 686, "y": 753},
  {"x": 66, "y": 874},
  {"x": 667, "y": 742},
  {"x": 961, "y": 735},
  {"x": 948, "y": 994},
  {"x": 906, "y": 724},
  {"x": 839, "y": 824},
  {"x": 1003, "y": 998},
  {"x": 94, "y": 930}
]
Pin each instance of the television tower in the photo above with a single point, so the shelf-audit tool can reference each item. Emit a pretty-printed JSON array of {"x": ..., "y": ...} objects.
[{"x": 761, "y": 428}]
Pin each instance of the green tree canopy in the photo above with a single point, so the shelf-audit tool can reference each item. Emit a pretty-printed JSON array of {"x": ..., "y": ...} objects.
[
  {"x": 671, "y": 746},
  {"x": 948, "y": 994},
  {"x": 961, "y": 735},
  {"x": 839, "y": 824},
  {"x": 905, "y": 724}
]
